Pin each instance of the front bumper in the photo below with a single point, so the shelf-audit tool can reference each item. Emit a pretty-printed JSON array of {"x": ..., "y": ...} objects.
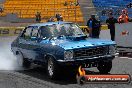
[{"x": 78, "y": 62}]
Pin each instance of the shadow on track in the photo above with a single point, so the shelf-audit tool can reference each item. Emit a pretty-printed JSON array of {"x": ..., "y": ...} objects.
[
  {"x": 125, "y": 54},
  {"x": 64, "y": 79}
]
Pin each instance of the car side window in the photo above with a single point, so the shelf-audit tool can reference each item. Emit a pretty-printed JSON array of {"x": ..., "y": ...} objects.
[
  {"x": 35, "y": 32},
  {"x": 45, "y": 32},
  {"x": 27, "y": 33}
]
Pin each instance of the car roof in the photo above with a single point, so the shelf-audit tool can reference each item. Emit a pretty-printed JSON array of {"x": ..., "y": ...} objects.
[{"x": 48, "y": 23}]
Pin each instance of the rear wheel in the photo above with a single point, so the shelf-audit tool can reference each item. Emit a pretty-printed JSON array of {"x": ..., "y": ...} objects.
[
  {"x": 104, "y": 67},
  {"x": 52, "y": 68},
  {"x": 22, "y": 62}
]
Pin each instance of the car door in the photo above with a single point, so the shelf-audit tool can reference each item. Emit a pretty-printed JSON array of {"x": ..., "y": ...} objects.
[
  {"x": 24, "y": 42},
  {"x": 35, "y": 46},
  {"x": 44, "y": 39},
  {"x": 39, "y": 43}
]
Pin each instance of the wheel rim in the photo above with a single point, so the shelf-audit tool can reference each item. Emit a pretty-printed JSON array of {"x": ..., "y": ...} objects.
[
  {"x": 20, "y": 60},
  {"x": 50, "y": 67}
]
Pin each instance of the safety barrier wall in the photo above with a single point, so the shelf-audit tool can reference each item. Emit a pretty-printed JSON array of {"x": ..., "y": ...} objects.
[
  {"x": 10, "y": 31},
  {"x": 14, "y": 31}
]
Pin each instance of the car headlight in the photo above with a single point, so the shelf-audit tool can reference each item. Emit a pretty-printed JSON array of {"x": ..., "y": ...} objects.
[
  {"x": 68, "y": 55},
  {"x": 112, "y": 49}
]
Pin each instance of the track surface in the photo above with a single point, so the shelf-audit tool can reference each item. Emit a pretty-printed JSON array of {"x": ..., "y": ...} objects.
[{"x": 13, "y": 77}]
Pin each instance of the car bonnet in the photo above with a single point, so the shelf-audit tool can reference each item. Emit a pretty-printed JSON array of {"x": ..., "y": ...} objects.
[{"x": 67, "y": 44}]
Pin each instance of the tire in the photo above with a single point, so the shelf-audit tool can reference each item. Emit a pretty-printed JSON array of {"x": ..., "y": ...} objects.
[
  {"x": 22, "y": 62},
  {"x": 104, "y": 67},
  {"x": 53, "y": 69}
]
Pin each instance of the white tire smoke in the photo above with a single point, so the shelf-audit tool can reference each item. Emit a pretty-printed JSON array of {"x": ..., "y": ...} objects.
[{"x": 7, "y": 60}]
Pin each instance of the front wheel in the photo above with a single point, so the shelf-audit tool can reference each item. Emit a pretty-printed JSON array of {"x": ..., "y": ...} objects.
[
  {"x": 104, "y": 67},
  {"x": 52, "y": 68}
]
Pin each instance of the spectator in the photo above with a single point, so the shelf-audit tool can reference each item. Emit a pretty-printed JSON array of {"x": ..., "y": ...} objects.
[
  {"x": 123, "y": 18},
  {"x": 111, "y": 25},
  {"x": 94, "y": 27},
  {"x": 59, "y": 17},
  {"x": 77, "y": 3},
  {"x": 38, "y": 17},
  {"x": 1, "y": 9},
  {"x": 110, "y": 11},
  {"x": 65, "y": 4}
]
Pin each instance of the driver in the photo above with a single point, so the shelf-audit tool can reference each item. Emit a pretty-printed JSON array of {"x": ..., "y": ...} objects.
[
  {"x": 71, "y": 31},
  {"x": 63, "y": 31}
]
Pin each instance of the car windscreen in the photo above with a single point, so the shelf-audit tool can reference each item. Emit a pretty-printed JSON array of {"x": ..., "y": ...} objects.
[{"x": 66, "y": 29}]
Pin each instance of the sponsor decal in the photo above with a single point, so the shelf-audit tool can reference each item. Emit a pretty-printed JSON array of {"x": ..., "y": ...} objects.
[{"x": 124, "y": 33}]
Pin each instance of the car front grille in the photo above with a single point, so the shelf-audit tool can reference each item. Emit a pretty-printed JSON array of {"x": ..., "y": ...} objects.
[{"x": 91, "y": 52}]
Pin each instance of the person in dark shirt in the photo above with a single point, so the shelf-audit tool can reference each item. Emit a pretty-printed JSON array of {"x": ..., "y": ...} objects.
[
  {"x": 38, "y": 17},
  {"x": 94, "y": 27},
  {"x": 59, "y": 17},
  {"x": 1, "y": 9},
  {"x": 111, "y": 25}
]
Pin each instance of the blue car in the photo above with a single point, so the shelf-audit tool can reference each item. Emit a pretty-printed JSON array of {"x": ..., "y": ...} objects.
[{"x": 58, "y": 45}]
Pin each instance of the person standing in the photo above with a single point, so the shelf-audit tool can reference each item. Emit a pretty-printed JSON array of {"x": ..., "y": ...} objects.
[
  {"x": 123, "y": 18},
  {"x": 38, "y": 17},
  {"x": 59, "y": 17},
  {"x": 1, "y": 10},
  {"x": 94, "y": 27},
  {"x": 111, "y": 25}
]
